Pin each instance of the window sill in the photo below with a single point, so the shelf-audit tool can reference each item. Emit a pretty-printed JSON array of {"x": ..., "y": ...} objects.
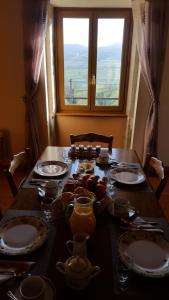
[{"x": 92, "y": 114}]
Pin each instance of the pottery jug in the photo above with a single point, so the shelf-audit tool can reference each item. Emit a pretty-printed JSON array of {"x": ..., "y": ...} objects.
[{"x": 78, "y": 246}]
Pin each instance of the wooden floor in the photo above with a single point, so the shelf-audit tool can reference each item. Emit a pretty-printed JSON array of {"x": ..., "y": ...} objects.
[{"x": 6, "y": 198}]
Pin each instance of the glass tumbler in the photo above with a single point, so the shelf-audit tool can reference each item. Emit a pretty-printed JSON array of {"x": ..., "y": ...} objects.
[{"x": 49, "y": 194}]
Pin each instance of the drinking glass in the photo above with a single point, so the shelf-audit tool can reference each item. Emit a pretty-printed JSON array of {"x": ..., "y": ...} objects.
[
  {"x": 82, "y": 219},
  {"x": 66, "y": 157},
  {"x": 49, "y": 195},
  {"x": 123, "y": 276}
]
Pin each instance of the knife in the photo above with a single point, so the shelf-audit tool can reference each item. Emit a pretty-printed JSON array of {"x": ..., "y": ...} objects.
[{"x": 146, "y": 229}]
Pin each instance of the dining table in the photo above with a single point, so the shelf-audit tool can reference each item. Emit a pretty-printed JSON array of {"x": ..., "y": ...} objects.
[{"x": 116, "y": 280}]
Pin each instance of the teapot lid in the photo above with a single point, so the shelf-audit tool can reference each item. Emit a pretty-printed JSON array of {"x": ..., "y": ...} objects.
[{"x": 78, "y": 266}]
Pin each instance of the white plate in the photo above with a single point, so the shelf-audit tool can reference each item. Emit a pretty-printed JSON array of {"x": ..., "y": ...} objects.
[
  {"x": 51, "y": 168},
  {"x": 21, "y": 235},
  {"x": 146, "y": 253},
  {"x": 127, "y": 175}
]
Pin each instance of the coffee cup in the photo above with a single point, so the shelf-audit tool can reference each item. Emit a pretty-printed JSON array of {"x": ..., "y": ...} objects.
[
  {"x": 32, "y": 288},
  {"x": 103, "y": 158},
  {"x": 122, "y": 207}
]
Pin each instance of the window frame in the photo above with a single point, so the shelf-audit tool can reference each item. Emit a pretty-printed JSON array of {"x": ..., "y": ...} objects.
[{"x": 92, "y": 14}]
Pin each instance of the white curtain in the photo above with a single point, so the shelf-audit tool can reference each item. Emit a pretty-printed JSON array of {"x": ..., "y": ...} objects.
[
  {"x": 141, "y": 22},
  {"x": 151, "y": 24}
]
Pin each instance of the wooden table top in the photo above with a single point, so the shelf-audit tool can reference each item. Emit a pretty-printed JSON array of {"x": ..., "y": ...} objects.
[
  {"x": 141, "y": 196},
  {"x": 103, "y": 241}
]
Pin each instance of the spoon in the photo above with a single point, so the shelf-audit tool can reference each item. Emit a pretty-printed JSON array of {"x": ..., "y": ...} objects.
[{"x": 11, "y": 295}]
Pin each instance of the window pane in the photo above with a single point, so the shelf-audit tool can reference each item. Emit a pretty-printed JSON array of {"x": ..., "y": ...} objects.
[
  {"x": 76, "y": 44},
  {"x": 109, "y": 54}
]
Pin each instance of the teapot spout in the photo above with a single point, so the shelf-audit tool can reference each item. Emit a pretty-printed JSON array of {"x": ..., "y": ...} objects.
[
  {"x": 60, "y": 267},
  {"x": 95, "y": 271}
]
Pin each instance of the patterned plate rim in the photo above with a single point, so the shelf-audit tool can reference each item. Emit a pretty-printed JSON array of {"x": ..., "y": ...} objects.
[
  {"x": 152, "y": 236},
  {"x": 50, "y": 162},
  {"x": 5, "y": 249},
  {"x": 114, "y": 171}
]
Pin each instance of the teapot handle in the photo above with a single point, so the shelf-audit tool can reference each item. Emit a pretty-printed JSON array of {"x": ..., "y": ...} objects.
[
  {"x": 95, "y": 271},
  {"x": 60, "y": 267}
]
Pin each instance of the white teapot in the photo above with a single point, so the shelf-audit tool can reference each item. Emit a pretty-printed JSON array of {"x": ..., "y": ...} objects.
[{"x": 78, "y": 271}]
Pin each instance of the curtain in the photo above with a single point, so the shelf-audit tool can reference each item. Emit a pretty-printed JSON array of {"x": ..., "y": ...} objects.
[
  {"x": 34, "y": 30},
  {"x": 150, "y": 21}
]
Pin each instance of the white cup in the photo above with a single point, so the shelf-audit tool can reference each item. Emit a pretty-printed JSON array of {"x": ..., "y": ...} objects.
[
  {"x": 32, "y": 288},
  {"x": 103, "y": 158}
]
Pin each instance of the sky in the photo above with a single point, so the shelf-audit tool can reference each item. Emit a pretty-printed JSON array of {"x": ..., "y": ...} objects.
[{"x": 76, "y": 31}]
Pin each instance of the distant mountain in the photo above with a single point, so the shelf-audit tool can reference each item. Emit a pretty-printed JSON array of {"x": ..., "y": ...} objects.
[{"x": 77, "y": 55}]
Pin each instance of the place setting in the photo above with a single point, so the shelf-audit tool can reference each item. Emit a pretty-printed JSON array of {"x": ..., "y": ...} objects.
[
  {"x": 140, "y": 252},
  {"x": 21, "y": 235},
  {"x": 127, "y": 175},
  {"x": 33, "y": 287},
  {"x": 22, "y": 239},
  {"x": 51, "y": 168}
]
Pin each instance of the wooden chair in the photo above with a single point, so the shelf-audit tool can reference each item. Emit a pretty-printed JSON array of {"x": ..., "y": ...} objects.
[
  {"x": 154, "y": 168},
  {"x": 92, "y": 137},
  {"x": 17, "y": 170}
]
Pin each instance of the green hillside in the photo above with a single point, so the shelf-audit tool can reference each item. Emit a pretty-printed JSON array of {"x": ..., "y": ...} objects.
[{"x": 76, "y": 74}]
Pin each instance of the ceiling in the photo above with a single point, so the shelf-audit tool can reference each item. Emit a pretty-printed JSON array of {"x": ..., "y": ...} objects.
[{"x": 91, "y": 3}]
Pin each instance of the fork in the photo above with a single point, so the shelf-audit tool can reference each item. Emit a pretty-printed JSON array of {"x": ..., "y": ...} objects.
[{"x": 11, "y": 295}]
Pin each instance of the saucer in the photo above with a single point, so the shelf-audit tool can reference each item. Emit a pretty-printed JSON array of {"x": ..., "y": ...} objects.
[
  {"x": 49, "y": 291},
  {"x": 108, "y": 162}
]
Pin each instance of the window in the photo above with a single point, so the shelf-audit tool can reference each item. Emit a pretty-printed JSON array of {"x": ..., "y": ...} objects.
[{"x": 92, "y": 50}]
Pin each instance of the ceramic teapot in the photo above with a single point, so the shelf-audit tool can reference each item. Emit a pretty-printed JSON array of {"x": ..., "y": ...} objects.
[{"x": 78, "y": 271}]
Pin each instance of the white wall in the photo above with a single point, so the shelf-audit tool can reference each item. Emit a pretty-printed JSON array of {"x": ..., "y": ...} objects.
[
  {"x": 163, "y": 136},
  {"x": 91, "y": 3}
]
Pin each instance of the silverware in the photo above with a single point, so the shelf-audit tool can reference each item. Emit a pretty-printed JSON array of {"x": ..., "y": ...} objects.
[
  {"x": 35, "y": 181},
  {"x": 145, "y": 229},
  {"x": 140, "y": 226},
  {"x": 11, "y": 295},
  {"x": 145, "y": 222},
  {"x": 139, "y": 222},
  {"x": 13, "y": 273}
]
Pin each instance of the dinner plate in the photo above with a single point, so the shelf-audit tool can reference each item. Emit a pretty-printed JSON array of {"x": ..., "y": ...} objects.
[
  {"x": 21, "y": 235},
  {"x": 127, "y": 175},
  {"x": 51, "y": 168},
  {"x": 146, "y": 253}
]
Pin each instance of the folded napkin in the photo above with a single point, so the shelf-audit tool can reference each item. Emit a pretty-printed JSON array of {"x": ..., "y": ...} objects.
[{"x": 11, "y": 268}]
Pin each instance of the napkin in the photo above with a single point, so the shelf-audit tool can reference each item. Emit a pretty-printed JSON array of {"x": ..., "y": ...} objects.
[{"x": 17, "y": 268}]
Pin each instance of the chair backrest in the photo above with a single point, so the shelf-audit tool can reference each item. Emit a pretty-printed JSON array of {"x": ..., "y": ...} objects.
[
  {"x": 92, "y": 137},
  {"x": 19, "y": 161},
  {"x": 154, "y": 167}
]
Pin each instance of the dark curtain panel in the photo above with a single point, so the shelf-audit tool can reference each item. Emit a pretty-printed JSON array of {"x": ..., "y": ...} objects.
[{"x": 34, "y": 29}]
